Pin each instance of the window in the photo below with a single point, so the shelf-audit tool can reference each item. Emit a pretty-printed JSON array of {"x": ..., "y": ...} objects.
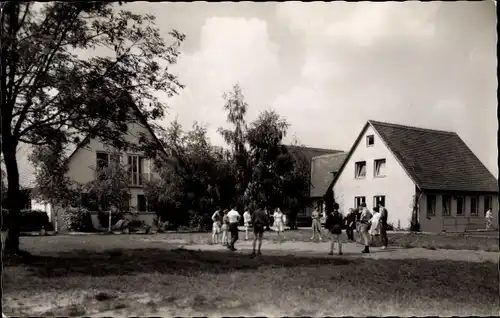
[
  {"x": 460, "y": 205},
  {"x": 379, "y": 168},
  {"x": 379, "y": 200},
  {"x": 446, "y": 205},
  {"x": 135, "y": 169},
  {"x": 370, "y": 140},
  {"x": 431, "y": 205},
  {"x": 474, "y": 209},
  {"x": 487, "y": 203},
  {"x": 142, "y": 203},
  {"x": 320, "y": 206},
  {"x": 358, "y": 201},
  {"x": 360, "y": 169},
  {"x": 102, "y": 160}
]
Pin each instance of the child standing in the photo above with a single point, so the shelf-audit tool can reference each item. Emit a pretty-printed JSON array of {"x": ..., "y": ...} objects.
[
  {"x": 216, "y": 226},
  {"x": 225, "y": 228},
  {"x": 247, "y": 218}
]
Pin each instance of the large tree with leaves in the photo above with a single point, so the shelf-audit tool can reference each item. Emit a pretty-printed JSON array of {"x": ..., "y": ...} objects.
[
  {"x": 237, "y": 137},
  {"x": 49, "y": 88},
  {"x": 268, "y": 156},
  {"x": 200, "y": 177}
]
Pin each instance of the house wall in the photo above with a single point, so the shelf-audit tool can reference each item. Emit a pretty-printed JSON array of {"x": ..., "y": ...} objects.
[
  {"x": 454, "y": 223},
  {"x": 83, "y": 161},
  {"x": 396, "y": 186}
]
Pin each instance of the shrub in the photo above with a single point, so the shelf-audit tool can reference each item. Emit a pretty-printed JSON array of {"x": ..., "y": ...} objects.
[
  {"x": 34, "y": 220},
  {"x": 415, "y": 227},
  {"x": 196, "y": 222},
  {"x": 78, "y": 220},
  {"x": 390, "y": 227}
]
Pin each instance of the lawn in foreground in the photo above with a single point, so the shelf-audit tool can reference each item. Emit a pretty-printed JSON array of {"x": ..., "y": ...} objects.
[{"x": 151, "y": 279}]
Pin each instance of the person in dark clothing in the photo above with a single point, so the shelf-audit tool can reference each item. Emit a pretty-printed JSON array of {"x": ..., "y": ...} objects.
[
  {"x": 334, "y": 225},
  {"x": 350, "y": 224},
  {"x": 260, "y": 221},
  {"x": 383, "y": 226}
]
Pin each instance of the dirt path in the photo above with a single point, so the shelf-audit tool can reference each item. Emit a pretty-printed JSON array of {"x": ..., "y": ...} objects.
[{"x": 354, "y": 250}]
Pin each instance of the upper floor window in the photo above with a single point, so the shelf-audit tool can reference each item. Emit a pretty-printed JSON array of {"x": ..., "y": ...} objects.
[
  {"x": 135, "y": 169},
  {"x": 102, "y": 160},
  {"x": 379, "y": 168},
  {"x": 360, "y": 169},
  {"x": 370, "y": 140}
]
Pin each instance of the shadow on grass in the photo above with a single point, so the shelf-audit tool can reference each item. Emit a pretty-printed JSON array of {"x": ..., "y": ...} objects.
[
  {"x": 178, "y": 275},
  {"x": 152, "y": 260}
]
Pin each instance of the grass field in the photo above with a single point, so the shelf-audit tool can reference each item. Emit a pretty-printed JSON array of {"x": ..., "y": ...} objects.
[{"x": 115, "y": 275}]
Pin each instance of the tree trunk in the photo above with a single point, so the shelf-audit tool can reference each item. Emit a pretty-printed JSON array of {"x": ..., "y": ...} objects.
[{"x": 14, "y": 198}]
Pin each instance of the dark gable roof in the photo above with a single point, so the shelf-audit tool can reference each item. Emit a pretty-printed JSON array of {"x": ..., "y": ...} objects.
[
  {"x": 434, "y": 160},
  {"x": 321, "y": 172}
]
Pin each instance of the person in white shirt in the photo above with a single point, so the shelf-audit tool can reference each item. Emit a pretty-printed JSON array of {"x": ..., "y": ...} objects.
[
  {"x": 489, "y": 219},
  {"x": 216, "y": 226},
  {"x": 278, "y": 222},
  {"x": 375, "y": 225},
  {"x": 234, "y": 218},
  {"x": 247, "y": 218}
]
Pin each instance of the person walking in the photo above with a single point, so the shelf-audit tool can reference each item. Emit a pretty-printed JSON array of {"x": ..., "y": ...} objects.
[
  {"x": 234, "y": 219},
  {"x": 247, "y": 218},
  {"x": 216, "y": 226},
  {"x": 364, "y": 221},
  {"x": 489, "y": 219},
  {"x": 278, "y": 222},
  {"x": 259, "y": 221},
  {"x": 375, "y": 225},
  {"x": 333, "y": 224},
  {"x": 316, "y": 224},
  {"x": 383, "y": 226},
  {"x": 350, "y": 224}
]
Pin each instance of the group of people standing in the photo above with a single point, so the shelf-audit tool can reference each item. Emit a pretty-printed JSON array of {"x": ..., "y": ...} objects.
[
  {"x": 226, "y": 223},
  {"x": 370, "y": 227}
]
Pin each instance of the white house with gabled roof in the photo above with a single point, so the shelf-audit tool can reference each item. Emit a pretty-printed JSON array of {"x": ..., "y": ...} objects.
[{"x": 398, "y": 165}]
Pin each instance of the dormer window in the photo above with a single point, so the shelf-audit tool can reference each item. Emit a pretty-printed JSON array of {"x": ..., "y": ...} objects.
[{"x": 370, "y": 140}]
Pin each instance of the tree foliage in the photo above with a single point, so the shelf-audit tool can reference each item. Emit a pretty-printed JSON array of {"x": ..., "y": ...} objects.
[
  {"x": 200, "y": 178},
  {"x": 51, "y": 88},
  {"x": 51, "y": 182}
]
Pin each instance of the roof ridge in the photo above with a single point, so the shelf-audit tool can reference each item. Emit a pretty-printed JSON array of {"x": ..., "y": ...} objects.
[
  {"x": 313, "y": 148},
  {"x": 444, "y": 132},
  {"x": 331, "y": 155}
]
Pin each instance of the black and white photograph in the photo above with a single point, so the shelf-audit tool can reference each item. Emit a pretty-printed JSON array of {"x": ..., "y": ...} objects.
[{"x": 228, "y": 159}]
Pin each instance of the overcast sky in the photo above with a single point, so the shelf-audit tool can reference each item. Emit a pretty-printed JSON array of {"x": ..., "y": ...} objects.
[{"x": 330, "y": 67}]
